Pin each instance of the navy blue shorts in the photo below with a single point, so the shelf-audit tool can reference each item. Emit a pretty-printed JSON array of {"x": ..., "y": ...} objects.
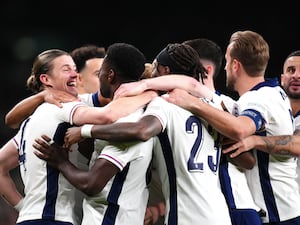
[
  {"x": 245, "y": 217},
  {"x": 43, "y": 222}
]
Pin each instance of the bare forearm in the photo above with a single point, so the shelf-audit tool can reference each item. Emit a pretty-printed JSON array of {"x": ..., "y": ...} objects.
[
  {"x": 8, "y": 190},
  {"x": 145, "y": 128},
  {"x": 78, "y": 178},
  {"x": 170, "y": 82},
  {"x": 117, "y": 132},
  {"x": 116, "y": 109},
  {"x": 92, "y": 181},
  {"x": 23, "y": 109},
  {"x": 123, "y": 106},
  {"x": 284, "y": 144},
  {"x": 224, "y": 122}
]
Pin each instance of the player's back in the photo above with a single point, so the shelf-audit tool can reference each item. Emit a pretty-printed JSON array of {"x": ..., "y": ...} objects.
[{"x": 188, "y": 164}]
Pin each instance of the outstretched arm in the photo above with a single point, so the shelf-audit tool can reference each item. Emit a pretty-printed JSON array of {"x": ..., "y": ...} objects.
[
  {"x": 284, "y": 144},
  {"x": 9, "y": 160},
  {"x": 165, "y": 83},
  {"x": 90, "y": 182},
  {"x": 146, "y": 127},
  {"x": 245, "y": 160},
  {"x": 112, "y": 111},
  {"x": 235, "y": 128},
  {"x": 26, "y": 107}
]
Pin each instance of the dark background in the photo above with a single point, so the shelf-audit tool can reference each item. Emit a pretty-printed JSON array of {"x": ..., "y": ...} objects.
[{"x": 29, "y": 27}]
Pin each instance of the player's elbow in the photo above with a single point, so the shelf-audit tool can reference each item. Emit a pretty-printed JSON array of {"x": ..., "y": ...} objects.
[
  {"x": 91, "y": 190},
  {"x": 10, "y": 121},
  {"x": 239, "y": 133},
  {"x": 245, "y": 160},
  {"x": 107, "y": 120},
  {"x": 140, "y": 133},
  {"x": 144, "y": 136},
  {"x": 146, "y": 132},
  {"x": 249, "y": 164}
]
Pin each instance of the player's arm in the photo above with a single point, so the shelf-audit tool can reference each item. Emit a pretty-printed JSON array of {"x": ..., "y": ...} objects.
[
  {"x": 9, "y": 160},
  {"x": 283, "y": 144},
  {"x": 90, "y": 182},
  {"x": 147, "y": 127},
  {"x": 26, "y": 107},
  {"x": 228, "y": 125},
  {"x": 112, "y": 111},
  {"x": 165, "y": 83},
  {"x": 245, "y": 160}
]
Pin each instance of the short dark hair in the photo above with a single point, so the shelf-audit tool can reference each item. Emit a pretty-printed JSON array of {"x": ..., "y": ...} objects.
[
  {"x": 82, "y": 54},
  {"x": 294, "y": 53},
  {"x": 208, "y": 50},
  {"x": 126, "y": 60}
]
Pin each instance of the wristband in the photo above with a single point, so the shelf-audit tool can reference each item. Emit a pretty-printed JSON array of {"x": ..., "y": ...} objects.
[
  {"x": 86, "y": 131},
  {"x": 19, "y": 205}
]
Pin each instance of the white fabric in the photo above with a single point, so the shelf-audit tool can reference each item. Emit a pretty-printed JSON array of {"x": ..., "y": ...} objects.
[
  {"x": 297, "y": 125},
  {"x": 189, "y": 168},
  {"x": 38, "y": 178},
  {"x": 122, "y": 200},
  {"x": 239, "y": 187},
  {"x": 272, "y": 180}
]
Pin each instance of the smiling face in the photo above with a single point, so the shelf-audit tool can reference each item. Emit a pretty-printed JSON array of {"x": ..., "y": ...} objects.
[
  {"x": 63, "y": 76},
  {"x": 290, "y": 79}
]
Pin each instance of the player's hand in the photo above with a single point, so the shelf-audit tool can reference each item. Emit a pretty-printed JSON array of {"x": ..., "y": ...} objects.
[
  {"x": 129, "y": 89},
  {"x": 56, "y": 97},
  {"x": 49, "y": 151},
  {"x": 179, "y": 97},
  {"x": 73, "y": 135},
  {"x": 148, "y": 217},
  {"x": 239, "y": 147},
  {"x": 153, "y": 213}
]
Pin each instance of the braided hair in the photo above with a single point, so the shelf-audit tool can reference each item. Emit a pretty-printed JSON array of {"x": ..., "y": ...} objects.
[{"x": 182, "y": 59}]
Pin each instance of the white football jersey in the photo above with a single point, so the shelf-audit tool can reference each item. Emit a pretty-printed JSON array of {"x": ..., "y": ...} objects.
[
  {"x": 48, "y": 195},
  {"x": 187, "y": 161},
  {"x": 272, "y": 180},
  {"x": 297, "y": 127},
  {"x": 233, "y": 179},
  {"x": 124, "y": 198}
]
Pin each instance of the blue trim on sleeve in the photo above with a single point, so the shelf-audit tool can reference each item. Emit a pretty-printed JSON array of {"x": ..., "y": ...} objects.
[{"x": 255, "y": 116}]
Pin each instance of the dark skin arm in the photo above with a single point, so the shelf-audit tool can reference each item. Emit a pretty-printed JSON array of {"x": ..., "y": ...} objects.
[
  {"x": 93, "y": 181},
  {"x": 245, "y": 160},
  {"x": 145, "y": 128},
  {"x": 86, "y": 147},
  {"x": 90, "y": 182}
]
